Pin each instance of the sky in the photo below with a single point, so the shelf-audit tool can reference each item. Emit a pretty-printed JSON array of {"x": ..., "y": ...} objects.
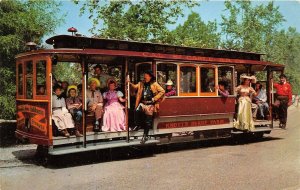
[{"x": 208, "y": 10}]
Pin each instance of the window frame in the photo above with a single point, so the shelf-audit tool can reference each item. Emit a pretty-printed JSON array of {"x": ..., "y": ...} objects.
[
  {"x": 232, "y": 78},
  {"x": 36, "y": 61},
  {"x": 216, "y": 80},
  {"x": 175, "y": 80},
  {"x": 25, "y": 62},
  {"x": 19, "y": 63},
  {"x": 184, "y": 94}
]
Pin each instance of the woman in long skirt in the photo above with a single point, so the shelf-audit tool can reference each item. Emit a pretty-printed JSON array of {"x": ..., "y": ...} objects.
[
  {"x": 114, "y": 115},
  {"x": 244, "y": 117}
]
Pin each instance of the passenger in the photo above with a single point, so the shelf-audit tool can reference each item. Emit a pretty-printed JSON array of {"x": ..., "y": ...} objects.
[
  {"x": 41, "y": 90},
  {"x": 74, "y": 105},
  {"x": 227, "y": 80},
  {"x": 79, "y": 89},
  {"x": 284, "y": 97},
  {"x": 222, "y": 89},
  {"x": 114, "y": 115},
  {"x": 149, "y": 94},
  {"x": 64, "y": 86},
  {"x": 95, "y": 102},
  {"x": 61, "y": 116},
  {"x": 261, "y": 100},
  {"x": 244, "y": 117},
  {"x": 101, "y": 76},
  {"x": 170, "y": 89}
]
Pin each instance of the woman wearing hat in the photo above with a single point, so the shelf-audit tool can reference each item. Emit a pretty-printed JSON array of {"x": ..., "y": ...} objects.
[
  {"x": 61, "y": 116},
  {"x": 114, "y": 115},
  {"x": 95, "y": 102},
  {"x": 74, "y": 106},
  {"x": 244, "y": 117},
  {"x": 170, "y": 90}
]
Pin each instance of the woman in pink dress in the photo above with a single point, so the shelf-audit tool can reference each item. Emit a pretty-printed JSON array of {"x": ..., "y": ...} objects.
[{"x": 114, "y": 115}]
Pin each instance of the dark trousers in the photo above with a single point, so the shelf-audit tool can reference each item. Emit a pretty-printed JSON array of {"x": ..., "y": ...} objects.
[
  {"x": 282, "y": 109},
  {"x": 141, "y": 119}
]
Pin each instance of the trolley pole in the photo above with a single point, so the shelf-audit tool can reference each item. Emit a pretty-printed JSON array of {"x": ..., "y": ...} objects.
[
  {"x": 84, "y": 101},
  {"x": 127, "y": 96}
]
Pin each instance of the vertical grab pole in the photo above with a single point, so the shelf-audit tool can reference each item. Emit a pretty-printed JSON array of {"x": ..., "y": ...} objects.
[
  {"x": 127, "y": 96},
  {"x": 271, "y": 95},
  {"x": 84, "y": 102}
]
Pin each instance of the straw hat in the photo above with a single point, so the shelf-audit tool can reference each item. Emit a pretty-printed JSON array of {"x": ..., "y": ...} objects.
[
  {"x": 169, "y": 83},
  {"x": 94, "y": 80},
  {"x": 71, "y": 87},
  {"x": 252, "y": 78}
]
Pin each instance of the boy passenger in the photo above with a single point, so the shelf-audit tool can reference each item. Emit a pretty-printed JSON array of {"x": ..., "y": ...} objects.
[
  {"x": 61, "y": 116},
  {"x": 95, "y": 102},
  {"x": 74, "y": 105},
  {"x": 170, "y": 90},
  {"x": 149, "y": 94},
  {"x": 222, "y": 89}
]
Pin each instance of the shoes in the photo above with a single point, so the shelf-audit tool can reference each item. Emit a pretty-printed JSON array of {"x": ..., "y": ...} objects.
[
  {"x": 282, "y": 126},
  {"x": 65, "y": 133},
  {"x": 78, "y": 134},
  {"x": 144, "y": 139},
  {"x": 96, "y": 128},
  {"x": 136, "y": 128}
]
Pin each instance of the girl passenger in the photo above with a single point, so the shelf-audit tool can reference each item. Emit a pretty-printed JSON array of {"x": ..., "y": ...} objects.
[{"x": 114, "y": 115}]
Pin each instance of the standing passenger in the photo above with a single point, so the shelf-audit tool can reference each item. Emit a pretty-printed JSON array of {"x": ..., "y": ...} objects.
[
  {"x": 149, "y": 94},
  {"x": 284, "y": 95},
  {"x": 95, "y": 102},
  {"x": 244, "y": 117},
  {"x": 114, "y": 115},
  {"x": 101, "y": 76},
  {"x": 62, "y": 118}
]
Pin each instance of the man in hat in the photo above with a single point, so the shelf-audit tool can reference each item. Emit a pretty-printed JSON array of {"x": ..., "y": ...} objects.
[
  {"x": 149, "y": 94},
  {"x": 95, "y": 102},
  {"x": 101, "y": 76},
  {"x": 284, "y": 96},
  {"x": 170, "y": 90}
]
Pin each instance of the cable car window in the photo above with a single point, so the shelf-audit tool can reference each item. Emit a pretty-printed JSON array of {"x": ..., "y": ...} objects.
[
  {"x": 208, "y": 82},
  {"x": 20, "y": 79},
  {"x": 188, "y": 79},
  {"x": 29, "y": 79},
  {"x": 167, "y": 77},
  {"x": 225, "y": 74},
  {"x": 41, "y": 78}
]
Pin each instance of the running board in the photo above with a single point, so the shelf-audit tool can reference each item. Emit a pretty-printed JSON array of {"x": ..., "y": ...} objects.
[
  {"x": 266, "y": 130},
  {"x": 97, "y": 146}
]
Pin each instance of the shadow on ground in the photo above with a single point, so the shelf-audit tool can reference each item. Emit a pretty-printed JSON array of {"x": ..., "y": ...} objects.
[{"x": 126, "y": 153}]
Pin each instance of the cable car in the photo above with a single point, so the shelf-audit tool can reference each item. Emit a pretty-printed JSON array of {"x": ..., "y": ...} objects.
[{"x": 196, "y": 110}]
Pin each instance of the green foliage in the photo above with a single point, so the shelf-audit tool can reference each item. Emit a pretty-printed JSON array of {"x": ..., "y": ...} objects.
[
  {"x": 70, "y": 72},
  {"x": 255, "y": 28},
  {"x": 7, "y": 94},
  {"x": 194, "y": 32},
  {"x": 142, "y": 20},
  {"x": 20, "y": 22}
]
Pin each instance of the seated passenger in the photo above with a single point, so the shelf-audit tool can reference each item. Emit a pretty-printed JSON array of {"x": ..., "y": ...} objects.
[
  {"x": 261, "y": 100},
  {"x": 61, "y": 116},
  {"x": 95, "y": 102},
  {"x": 41, "y": 90},
  {"x": 74, "y": 106},
  {"x": 114, "y": 115},
  {"x": 170, "y": 90},
  {"x": 222, "y": 89},
  {"x": 64, "y": 86}
]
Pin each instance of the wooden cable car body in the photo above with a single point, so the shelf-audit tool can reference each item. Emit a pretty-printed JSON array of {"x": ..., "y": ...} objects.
[{"x": 193, "y": 112}]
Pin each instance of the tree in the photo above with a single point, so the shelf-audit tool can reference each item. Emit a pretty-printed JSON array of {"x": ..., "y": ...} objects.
[
  {"x": 248, "y": 27},
  {"x": 142, "y": 20},
  {"x": 21, "y": 22},
  {"x": 194, "y": 32},
  {"x": 255, "y": 28}
]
